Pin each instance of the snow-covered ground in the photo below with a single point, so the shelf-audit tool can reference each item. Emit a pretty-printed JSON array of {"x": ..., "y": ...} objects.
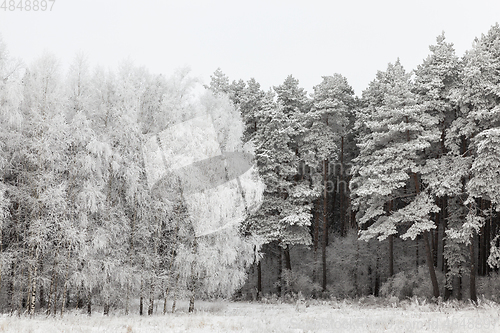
[{"x": 259, "y": 318}]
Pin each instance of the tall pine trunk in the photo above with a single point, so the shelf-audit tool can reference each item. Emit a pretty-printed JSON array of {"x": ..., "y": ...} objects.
[
  {"x": 259, "y": 280},
  {"x": 435, "y": 239},
  {"x": 417, "y": 256},
  {"x": 288, "y": 261},
  {"x": 325, "y": 226},
  {"x": 376, "y": 288},
  {"x": 391, "y": 255},
  {"x": 430, "y": 264},
  {"x": 340, "y": 188},
  {"x": 472, "y": 280},
  {"x": 315, "y": 243},
  {"x": 280, "y": 271}
]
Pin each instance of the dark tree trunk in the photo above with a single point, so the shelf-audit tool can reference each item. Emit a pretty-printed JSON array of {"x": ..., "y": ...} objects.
[
  {"x": 391, "y": 255},
  {"x": 141, "y": 299},
  {"x": 315, "y": 243},
  {"x": 106, "y": 308},
  {"x": 370, "y": 276},
  {"x": 288, "y": 261},
  {"x": 376, "y": 288},
  {"x": 448, "y": 290},
  {"x": 325, "y": 225},
  {"x": 42, "y": 297},
  {"x": 151, "y": 306},
  {"x": 191, "y": 304},
  {"x": 55, "y": 296},
  {"x": 444, "y": 208},
  {"x": 430, "y": 264},
  {"x": 151, "y": 298},
  {"x": 472, "y": 280},
  {"x": 259, "y": 280},
  {"x": 435, "y": 240},
  {"x": 341, "y": 187},
  {"x": 41, "y": 288},
  {"x": 459, "y": 288},
  {"x": 417, "y": 258},
  {"x": 488, "y": 239},
  {"x": 89, "y": 303},
  {"x": 10, "y": 290},
  {"x": 280, "y": 271}
]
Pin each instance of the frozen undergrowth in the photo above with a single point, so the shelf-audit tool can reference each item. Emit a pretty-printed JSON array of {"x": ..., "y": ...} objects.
[{"x": 344, "y": 316}]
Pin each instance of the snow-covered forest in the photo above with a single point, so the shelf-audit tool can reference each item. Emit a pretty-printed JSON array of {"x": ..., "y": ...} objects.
[{"x": 106, "y": 198}]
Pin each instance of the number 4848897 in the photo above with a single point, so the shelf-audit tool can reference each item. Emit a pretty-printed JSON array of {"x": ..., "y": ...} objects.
[{"x": 27, "y": 5}]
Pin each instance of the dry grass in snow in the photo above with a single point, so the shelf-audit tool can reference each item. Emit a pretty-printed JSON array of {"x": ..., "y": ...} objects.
[{"x": 257, "y": 317}]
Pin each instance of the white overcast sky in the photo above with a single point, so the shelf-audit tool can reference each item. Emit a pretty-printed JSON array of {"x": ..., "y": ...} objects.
[{"x": 264, "y": 39}]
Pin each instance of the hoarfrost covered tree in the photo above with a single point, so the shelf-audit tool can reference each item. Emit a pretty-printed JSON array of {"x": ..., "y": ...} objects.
[
  {"x": 325, "y": 124},
  {"x": 219, "y": 83},
  {"x": 437, "y": 83},
  {"x": 78, "y": 85},
  {"x": 485, "y": 180},
  {"x": 11, "y": 140},
  {"x": 295, "y": 104},
  {"x": 471, "y": 136},
  {"x": 113, "y": 155},
  {"x": 395, "y": 132},
  {"x": 37, "y": 182},
  {"x": 250, "y": 102},
  {"x": 285, "y": 214}
]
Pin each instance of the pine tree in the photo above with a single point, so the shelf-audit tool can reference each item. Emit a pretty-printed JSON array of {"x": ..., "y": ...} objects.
[
  {"x": 219, "y": 83},
  {"x": 320, "y": 145},
  {"x": 251, "y": 101},
  {"x": 478, "y": 100},
  {"x": 437, "y": 82},
  {"x": 395, "y": 132}
]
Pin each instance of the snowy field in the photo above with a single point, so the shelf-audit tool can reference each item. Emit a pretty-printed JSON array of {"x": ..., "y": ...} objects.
[{"x": 253, "y": 317}]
